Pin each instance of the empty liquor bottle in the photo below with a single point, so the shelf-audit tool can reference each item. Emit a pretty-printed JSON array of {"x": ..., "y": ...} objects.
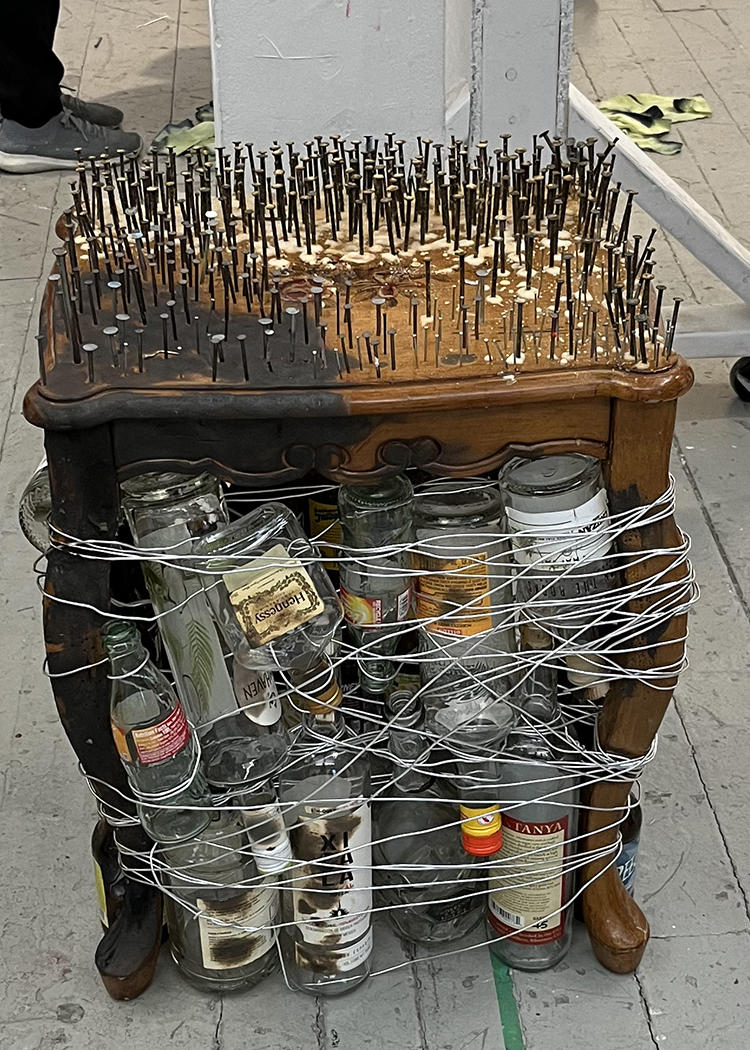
[
  {"x": 155, "y": 742},
  {"x": 530, "y": 878},
  {"x": 276, "y": 611},
  {"x": 167, "y": 513},
  {"x": 222, "y": 913},
  {"x": 327, "y": 902},
  {"x": 630, "y": 830},
  {"x": 434, "y": 893},
  {"x": 462, "y": 590},
  {"x": 377, "y": 531},
  {"x": 266, "y": 586},
  {"x": 556, "y": 507}
]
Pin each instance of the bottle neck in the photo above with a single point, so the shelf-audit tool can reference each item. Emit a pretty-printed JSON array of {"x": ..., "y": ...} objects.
[{"x": 126, "y": 659}]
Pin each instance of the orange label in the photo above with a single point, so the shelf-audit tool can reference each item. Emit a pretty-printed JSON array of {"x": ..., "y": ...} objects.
[
  {"x": 160, "y": 742},
  {"x": 121, "y": 743},
  {"x": 455, "y": 595}
]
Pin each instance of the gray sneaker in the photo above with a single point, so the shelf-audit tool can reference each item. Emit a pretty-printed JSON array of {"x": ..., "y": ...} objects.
[
  {"x": 94, "y": 112},
  {"x": 53, "y": 146}
]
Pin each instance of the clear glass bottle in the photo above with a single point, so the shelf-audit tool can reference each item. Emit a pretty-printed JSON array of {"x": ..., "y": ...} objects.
[
  {"x": 463, "y": 589},
  {"x": 34, "y": 508},
  {"x": 277, "y": 611},
  {"x": 156, "y": 744},
  {"x": 530, "y": 877},
  {"x": 376, "y": 589},
  {"x": 325, "y": 794},
  {"x": 433, "y": 894},
  {"x": 221, "y": 913},
  {"x": 557, "y": 508},
  {"x": 268, "y": 589},
  {"x": 168, "y": 512}
]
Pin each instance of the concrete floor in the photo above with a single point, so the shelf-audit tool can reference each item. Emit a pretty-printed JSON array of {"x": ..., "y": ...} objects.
[{"x": 691, "y": 991}]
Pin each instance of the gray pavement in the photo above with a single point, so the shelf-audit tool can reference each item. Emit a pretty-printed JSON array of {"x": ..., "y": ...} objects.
[{"x": 691, "y": 992}]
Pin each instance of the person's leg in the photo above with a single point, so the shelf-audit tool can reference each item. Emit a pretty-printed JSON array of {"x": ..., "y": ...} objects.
[{"x": 30, "y": 71}]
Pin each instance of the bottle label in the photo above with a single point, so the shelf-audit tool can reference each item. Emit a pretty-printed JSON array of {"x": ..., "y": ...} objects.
[
  {"x": 626, "y": 863},
  {"x": 532, "y": 857},
  {"x": 258, "y": 698},
  {"x": 332, "y": 896},
  {"x": 334, "y": 960},
  {"x": 561, "y": 537},
  {"x": 163, "y": 741},
  {"x": 223, "y": 945},
  {"x": 366, "y": 612},
  {"x": 272, "y": 595},
  {"x": 455, "y": 595},
  {"x": 452, "y": 910},
  {"x": 324, "y": 519},
  {"x": 101, "y": 895}
]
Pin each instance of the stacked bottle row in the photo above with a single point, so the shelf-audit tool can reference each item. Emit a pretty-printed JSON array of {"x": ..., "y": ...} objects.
[{"x": 287, "y": 770}]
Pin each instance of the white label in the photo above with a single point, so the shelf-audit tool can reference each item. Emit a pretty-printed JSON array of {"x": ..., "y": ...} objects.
[
  {"x": 256, "y": 694},
  {"x": 223, "y": 945},
  {"x": 531, "y": 856},
  {"x": 333, "y": 898},
  {"x": 561, "y": 537},
  {"x": 272, "y": 595},
  {"x": 337, "y": 959}
]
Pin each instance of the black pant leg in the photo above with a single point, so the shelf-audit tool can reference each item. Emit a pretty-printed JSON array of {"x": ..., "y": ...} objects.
[{"x": 30, "y": 71}]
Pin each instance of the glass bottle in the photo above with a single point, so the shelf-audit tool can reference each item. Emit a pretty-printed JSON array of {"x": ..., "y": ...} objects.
[
  {"x": 276, "y": 610},
  {"x": 325, "y": 794},
  {"x": 530, "y": 878},
  {"x": 462, "y": 590},
  {"x": 376, "y": 589},
  {"x": 108, "y": 875},
  {"x": 156, "y": 744},
  {"x": 34, "y": 508},
  {"x": 434, "y": 895},
  {"x": 168, "y": 512},
  {"x": 268, "y": 590},
  {"x": 222, "y": 915},
  {"x": 557, "y": 508}
]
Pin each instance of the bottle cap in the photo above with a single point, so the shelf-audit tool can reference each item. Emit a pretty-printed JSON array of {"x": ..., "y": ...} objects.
[
  {"x": 271, "y": 861},
  {"x": 481, "y": 830}
]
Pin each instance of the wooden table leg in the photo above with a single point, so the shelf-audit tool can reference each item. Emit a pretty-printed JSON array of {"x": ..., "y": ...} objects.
[
  {"x": 632, "y": 712},
  {"x": 85, "y": 504}
]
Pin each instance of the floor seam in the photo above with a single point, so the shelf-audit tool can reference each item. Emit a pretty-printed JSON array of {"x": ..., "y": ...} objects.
[
  {"x": 711, "y": 806},
  {"x": 736, "y": 585}
]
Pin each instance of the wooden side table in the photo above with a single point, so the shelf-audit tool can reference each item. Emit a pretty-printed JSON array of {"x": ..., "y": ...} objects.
[{"x": 453, "y": 425}]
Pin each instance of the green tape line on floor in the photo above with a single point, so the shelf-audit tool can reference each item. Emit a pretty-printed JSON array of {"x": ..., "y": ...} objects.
[{"x": 506, "y": 1001}]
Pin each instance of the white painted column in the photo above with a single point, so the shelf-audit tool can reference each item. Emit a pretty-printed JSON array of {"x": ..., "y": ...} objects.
[
  {"x": 290, "y": 69},
  {"x": 521, "y": 52}
]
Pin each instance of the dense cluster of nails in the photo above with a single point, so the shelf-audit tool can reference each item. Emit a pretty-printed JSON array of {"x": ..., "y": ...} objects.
[{"x": 356, "y": 260}]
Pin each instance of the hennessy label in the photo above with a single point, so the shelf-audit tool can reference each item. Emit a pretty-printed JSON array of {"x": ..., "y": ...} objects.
[{"x": 272, "y": 595}]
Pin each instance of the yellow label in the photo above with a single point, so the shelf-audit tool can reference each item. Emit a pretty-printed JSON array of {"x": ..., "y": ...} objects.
[
  {"x": 455, "y": 595},
  {"x": 324, "y": 520},
  {"x": 272, "y": 595},
  {"x": 101, "y": 895},
  {"x": 121, "y": 743}
]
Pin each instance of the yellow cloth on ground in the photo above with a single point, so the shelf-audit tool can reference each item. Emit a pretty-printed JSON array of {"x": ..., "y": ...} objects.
[{"x": 648, "y": 118}]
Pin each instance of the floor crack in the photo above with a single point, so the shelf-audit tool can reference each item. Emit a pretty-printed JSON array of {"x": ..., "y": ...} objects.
[
  {"x": 410, "y": 953},
  {"x": 319, "y": 1024},
  {"x": 646, "y": 1010},
  {"x": 218, "y": 1034}
]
